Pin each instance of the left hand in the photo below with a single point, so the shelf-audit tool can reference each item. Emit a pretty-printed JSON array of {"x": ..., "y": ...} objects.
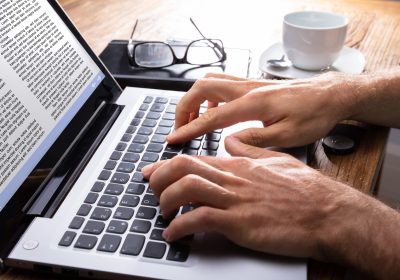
[{"x": 266, "y": 201}]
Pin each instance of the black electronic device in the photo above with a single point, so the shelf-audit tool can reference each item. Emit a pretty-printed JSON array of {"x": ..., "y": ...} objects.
[
  {"x": 175, "y": 77},
  {"x": 343, "y": 139}
]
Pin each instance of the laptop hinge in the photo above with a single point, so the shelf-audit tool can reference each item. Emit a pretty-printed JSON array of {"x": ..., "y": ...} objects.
[{"x": 50, "y": 194}]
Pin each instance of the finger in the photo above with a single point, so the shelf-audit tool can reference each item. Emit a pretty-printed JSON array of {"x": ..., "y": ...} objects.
[
  {"x": 149, "y": 169},
  {"x": 224, "y": 76},
  {"x": 182, "y": 165},
  {"x": 214, "y": 90},
  {"x": 235, "y": 147},
  {"x": 196, "y": 190},
  {"x": 228, "y": 114},
  {"x": 201, "y": 219},
  {"x": 271, "y": 135}
]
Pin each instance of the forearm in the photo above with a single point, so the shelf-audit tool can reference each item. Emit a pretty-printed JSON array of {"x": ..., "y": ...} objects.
[
  {"x": 365, "y": 234},
  {"x": 376, "y": 98}
]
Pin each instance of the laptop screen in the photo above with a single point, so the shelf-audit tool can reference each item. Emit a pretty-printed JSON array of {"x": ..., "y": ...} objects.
[{"x": 46, "y": 77}]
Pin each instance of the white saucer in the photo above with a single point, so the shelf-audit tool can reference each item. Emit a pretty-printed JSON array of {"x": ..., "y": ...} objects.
[{"x": 350, "y": 61}]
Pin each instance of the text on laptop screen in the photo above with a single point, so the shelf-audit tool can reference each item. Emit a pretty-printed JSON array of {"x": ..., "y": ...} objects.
[{"x": 46, "y": 77}]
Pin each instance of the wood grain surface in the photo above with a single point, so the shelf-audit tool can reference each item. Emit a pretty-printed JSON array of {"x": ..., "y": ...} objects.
[{"x": 374, "y": 29}]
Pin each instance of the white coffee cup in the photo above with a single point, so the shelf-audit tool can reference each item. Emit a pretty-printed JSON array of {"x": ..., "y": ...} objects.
[{"x": 313, "y": 40}]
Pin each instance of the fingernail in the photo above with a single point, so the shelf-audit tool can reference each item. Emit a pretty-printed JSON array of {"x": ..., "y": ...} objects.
[
  {"x": 166, "y": 235},
  {"x": 146, "y": 169}
]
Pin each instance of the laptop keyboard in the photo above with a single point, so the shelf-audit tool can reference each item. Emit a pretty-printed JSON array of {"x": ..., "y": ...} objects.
[{"x": 120, "y": 214}]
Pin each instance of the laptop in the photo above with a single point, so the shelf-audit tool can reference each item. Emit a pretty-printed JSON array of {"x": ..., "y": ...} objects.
[{"x": 72, "y": 198}]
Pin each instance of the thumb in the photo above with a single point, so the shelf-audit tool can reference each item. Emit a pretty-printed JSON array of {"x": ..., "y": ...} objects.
[
  {"x": 261, "y": 137},
  {"x": 237, "y": 148}
]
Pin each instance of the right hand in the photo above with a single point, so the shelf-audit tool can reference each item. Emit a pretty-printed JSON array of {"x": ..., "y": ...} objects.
[{"x": 294, "y": 112}]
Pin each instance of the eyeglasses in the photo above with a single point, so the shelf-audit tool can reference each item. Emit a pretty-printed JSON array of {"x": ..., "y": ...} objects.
[{"x": 155, "y": 54}]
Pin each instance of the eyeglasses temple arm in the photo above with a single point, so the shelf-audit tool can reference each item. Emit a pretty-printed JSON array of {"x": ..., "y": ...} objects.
[
  {"x": 133, "y": 30},
  {"x": 221, "y": 49}
]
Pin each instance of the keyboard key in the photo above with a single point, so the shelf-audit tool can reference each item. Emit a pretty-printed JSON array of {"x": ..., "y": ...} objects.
[
  {"x": 150, "y": 200},
  {"x": 131, "y": 129},
  {"x": 114, "y": 189},
  {"x": 149, "y": 190},
  {"x": 126, "y": 167},
  {"x": 117, "y": 227},
  {"x": 120, "y": 178},
  {"x": 116, "y": 155},
  {"x": 208, "y": 153},
  {"x": 158, "y": 139},
  {"x": 168, "y": 155},
  {"x": 161, "y": 100},
  {"x": 126, "y": 137},
  {"x": 131, "y": 157},
  {"x": 210, "y": 145},
  {"x": 173, "y": 148},
  {"x": 168, "y": 116},
  {"x": 67, "y": 238},
  {"x": 150, "y": 157},
  {"x": 135, "y": 122},
  {"x": 153, "y": 115},
  {"x": 135, "y": 188},
  {"x": 178, "y": 252},
  {"x": 194, "y": 144},
  {"x": 84, "y": 210},
  {"x": 186, "y": 208},
  {"x": 213, "y": 137},
  {"x": 121, "y": 147},
  {"x": 141, "y": 165},
  {"x": 104, "y": 175},
  {"x": 146, "y": 213},
  {"x": 174, "y": 101},
  {"x": 133, "y": 244},
  {"x": 110, "y": 165},
  {"x": 190, "y": 152},
  {"x": 98, "y": 187},
  {"x": 101, "y": 214},
  {"x": 148, "y": 99},
  {"x": 107, "y": 201},
  {"x": 139, "y": 114},
  {"x": 217, "y": 131},
  {"x": 156, "y": 234},
  {"x": 155, "y": 148},
  {"x": 163, "y": 130},
  {"x": 171, "y": 109},
  {"x": 138, "y": 178},
  {"x": 129, "y": 200},
  {"x": 76, "y": 223},
  {"x": 94, "y": 227},
  {"x": 123, "y": 213},
  {"x": 109, "y": 243},
  {"x": 161, "y": 222},
  {"x": 154, "y": 250},
  {"x": 140, "y": 139},
  {"x": 149, "y": 123},
  {"x": 140, "y": 226},
  {"x": 199, "y": 138},
  {"x": 157, "y": 107},
  {"x": 166, "y": 123},
  {"x": 136, "y": 148},
  {"x": 86, "y": 242},
  {"x": 91, "y": 198},
  {"x": 144, "y": 107},
  {"x": 145, "y": 131}
]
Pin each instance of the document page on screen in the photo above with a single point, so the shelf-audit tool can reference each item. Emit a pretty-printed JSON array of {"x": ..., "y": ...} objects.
[{"x": 45, "y": 78}]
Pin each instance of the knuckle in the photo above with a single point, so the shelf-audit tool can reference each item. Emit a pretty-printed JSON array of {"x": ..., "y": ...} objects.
[
  {"x": 210, "y": 115},
  {"x": 181, "y": 162},
  {"x": 190, "y": 182}
]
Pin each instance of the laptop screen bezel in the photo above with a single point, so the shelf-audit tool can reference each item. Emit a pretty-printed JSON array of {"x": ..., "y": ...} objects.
[{"x": 13, "y": 221}]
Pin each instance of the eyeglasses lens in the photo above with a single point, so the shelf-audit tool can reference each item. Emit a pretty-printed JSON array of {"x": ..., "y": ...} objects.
[{"x": 153, "y": 55}]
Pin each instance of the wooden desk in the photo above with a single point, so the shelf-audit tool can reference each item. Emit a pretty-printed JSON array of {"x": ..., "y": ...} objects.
[{"x": 374, "y": 29}]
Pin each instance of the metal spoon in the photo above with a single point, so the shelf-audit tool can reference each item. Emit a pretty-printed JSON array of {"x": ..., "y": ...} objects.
[{"x": 279, "y": 63}]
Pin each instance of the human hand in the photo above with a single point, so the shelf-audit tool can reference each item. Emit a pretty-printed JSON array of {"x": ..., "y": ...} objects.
[
  {"x": 294, "y": 112},
  {"x": 271, "y": 203}
]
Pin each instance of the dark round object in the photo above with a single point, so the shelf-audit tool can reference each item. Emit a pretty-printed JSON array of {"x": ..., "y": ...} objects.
[{"x": 338, "y": 144}]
